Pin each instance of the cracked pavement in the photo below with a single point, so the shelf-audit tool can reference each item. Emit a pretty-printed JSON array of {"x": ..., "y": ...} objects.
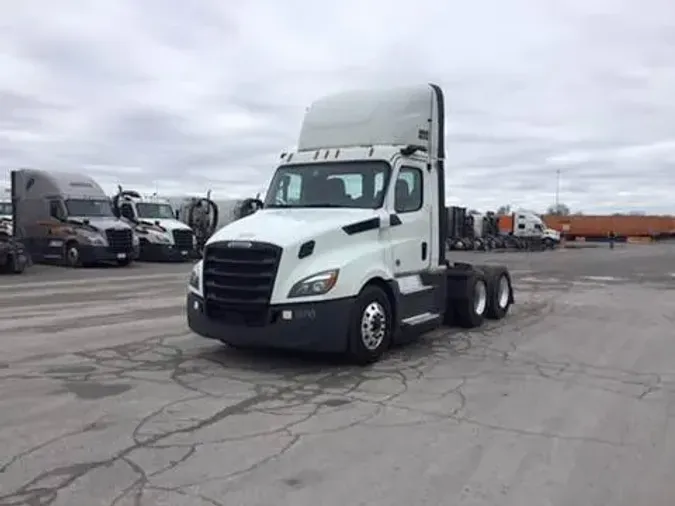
[{"x": 107, "y": 399}]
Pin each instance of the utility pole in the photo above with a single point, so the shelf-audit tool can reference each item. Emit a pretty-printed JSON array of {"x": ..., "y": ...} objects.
[{"x": 557, "y": 188}]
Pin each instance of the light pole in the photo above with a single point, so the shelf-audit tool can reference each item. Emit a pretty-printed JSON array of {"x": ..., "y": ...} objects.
[{"x": 557, "y": 189}]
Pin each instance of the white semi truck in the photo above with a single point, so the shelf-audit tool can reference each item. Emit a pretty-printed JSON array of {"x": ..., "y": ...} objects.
[
  {"x": 528, "y": 226},
  {"x": 348, "y": 253},
  {"x": 161, "y": 235}
]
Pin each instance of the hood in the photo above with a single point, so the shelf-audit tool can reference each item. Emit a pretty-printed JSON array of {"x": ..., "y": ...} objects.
[
  {"x": 284, "y": 227},
  {"x": 101, "y": 222},
  {"x": 165, "y": 223},
  {"x": 550, "y": 232}
]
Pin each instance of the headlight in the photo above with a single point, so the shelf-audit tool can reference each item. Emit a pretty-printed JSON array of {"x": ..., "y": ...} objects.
[
  {"x": 160, "y": 238},
  {"x": 135, "y": 241},
  {"x": 93, "y": 238},
  {"x": 317, "y": 284},
  {"x": 195, "y": 278}
]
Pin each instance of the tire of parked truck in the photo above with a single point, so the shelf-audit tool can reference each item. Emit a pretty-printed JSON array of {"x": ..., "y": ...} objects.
[
  {"x": 500, "y": 292},
  {"x": 549, "y": 243},
  {"x": 15, "y": 265},
  {"x": 124, "y": 262},
  {"x": 467, "y": 299},
  {"x": 370, "y": 327},
  {"x": 71, "y": 254}
]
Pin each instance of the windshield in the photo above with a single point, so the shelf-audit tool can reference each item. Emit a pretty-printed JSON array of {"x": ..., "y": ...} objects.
[
  {"x": 330, "y": 184},
  {"x": 5, "y": 209},
  {"x": 88, "y": 207},
  {"x": 154, "y": 211}
]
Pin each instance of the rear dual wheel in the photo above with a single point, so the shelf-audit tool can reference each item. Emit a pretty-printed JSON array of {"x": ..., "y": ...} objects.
[{"x": 488, "y": 294}]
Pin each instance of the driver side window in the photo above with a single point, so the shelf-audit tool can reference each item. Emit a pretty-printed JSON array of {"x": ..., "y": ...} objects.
[
  {"x": 55, "y": 210},
  {"x": 408, "y": 191}
]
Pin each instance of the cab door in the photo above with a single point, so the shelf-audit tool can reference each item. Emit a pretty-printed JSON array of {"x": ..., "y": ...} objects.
[
  {"x": 53, "y": 236},
  {"x": 411, "y": 204}
]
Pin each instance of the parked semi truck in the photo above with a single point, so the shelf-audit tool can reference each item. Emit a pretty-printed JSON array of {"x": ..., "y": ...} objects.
[
  {"x": 530, "y": 229},
  {"x": 348, "y": 253},
  {"x": 66, "y": 218},
  {"x": 161, "y": 235},
  {"x": 6, "y": 226}
]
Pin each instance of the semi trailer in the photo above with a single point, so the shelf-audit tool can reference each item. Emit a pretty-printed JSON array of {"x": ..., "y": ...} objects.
[
  {"x": 348, "y": 253},
  {"x": 161, "y": 236},
  {"x": 66, "y": 218}
]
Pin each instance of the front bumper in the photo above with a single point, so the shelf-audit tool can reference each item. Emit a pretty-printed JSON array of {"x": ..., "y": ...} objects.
[
  {"x": 316, "y": 327},
  {"x": 96, "y": 254},
  {"x": 163, "y": 252}
]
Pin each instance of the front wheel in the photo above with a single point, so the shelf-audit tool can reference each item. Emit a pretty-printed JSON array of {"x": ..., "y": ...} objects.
[
  {"x": 71, "y": 255},
  {"x": 370, "y": 328}
]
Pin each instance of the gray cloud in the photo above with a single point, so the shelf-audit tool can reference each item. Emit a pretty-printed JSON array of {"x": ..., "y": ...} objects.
[{"x": 185, "y": 96}]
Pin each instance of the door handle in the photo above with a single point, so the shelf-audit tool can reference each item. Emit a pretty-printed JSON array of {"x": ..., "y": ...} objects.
[{"x": 424, "y": 251}]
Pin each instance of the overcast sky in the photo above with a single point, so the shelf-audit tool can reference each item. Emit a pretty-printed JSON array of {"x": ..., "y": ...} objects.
[{"x": 190, "y": 95}]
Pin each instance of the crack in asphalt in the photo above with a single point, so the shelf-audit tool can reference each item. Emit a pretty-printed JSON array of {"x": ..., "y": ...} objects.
[{"x": 298, "y": 392}]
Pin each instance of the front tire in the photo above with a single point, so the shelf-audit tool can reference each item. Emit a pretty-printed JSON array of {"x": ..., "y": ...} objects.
[
  {"x": 71, "y": 255},
  {"x": 370, "y": 328}
]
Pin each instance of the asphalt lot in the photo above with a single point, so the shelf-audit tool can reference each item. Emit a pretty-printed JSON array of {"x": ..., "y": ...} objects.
[{"x": 107, "y": 399}]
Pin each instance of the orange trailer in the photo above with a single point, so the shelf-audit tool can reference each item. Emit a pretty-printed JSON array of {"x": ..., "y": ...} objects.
[{"x": 598, "y": 226}]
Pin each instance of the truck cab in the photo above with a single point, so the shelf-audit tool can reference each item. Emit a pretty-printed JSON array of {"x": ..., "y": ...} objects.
[
  {"x": 161, "y": 235},
  {"x": 529, "y": 225},
  {"x": 66, "y": 218},
  {"x": 348, "y": 253}
]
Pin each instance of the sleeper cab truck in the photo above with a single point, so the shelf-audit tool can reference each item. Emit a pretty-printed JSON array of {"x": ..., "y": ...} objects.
[
  {"x": 162, "y": 237},
  {"x": 66, "y": 218},
  {"x": 348, "y": 253},
  {"x": 528, "y": 226}
]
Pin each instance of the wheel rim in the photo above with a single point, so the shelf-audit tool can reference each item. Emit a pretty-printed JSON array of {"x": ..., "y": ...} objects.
[
  {"x": 73, "y": 255},
  {"x": 373, "y": 325},
  {"x": 503, "y": 293},
  {"x": 480, "y": 301}
]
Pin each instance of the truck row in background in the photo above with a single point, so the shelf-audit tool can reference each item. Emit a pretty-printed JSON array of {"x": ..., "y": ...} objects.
[
  {"x": 67, "y": 219},
  {"x": 477, "y": 231}
]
